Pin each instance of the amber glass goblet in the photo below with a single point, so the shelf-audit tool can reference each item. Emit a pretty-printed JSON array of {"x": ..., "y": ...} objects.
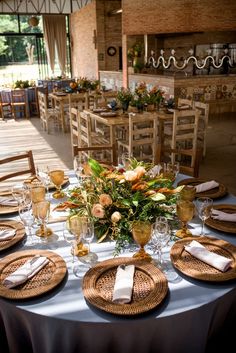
[
  {"x": 43, "y": 212},
  {"x": 185, "y": 211},
  {"x": 142, "y": 232},
  {"x": 57, "y": 178}
]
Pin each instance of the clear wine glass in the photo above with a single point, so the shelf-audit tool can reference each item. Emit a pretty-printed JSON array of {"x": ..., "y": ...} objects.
[
  {"x": 18, "y": 193},
  {"x": 80, "y": 163},
  {"x": 27, "y": 217},
  {"x": 71, "y": 239},
  {"x": 43, "y": 174},
  {"x": 88, "y": 236},
  {"x": 160, "y": 238},
  {"x": 204, "y": 208}
]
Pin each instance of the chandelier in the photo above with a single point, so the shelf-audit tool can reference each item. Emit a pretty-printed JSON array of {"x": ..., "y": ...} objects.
[{"x": 213, "y": 58}]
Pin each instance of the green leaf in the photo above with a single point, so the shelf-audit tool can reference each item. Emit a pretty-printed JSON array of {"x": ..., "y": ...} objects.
[
  {"x": 158, "y": 197},
  {"x": 135, "y": 203},
  {"x": 96, "y": 167}
]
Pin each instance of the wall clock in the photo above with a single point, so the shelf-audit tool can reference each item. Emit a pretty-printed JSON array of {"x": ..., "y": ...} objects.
[{"x": 111, "y": 51}]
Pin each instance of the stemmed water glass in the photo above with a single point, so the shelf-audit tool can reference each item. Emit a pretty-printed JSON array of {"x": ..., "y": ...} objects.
[
  {"x": 57, "y": 178},
  {"x": 204, "y": 208},
  {"x": 88, "y": 235},
  {"x": 142, "y": 233},
  {"x": 43, "y": 174},
  {"x": 160, "y": 238},
  {"x": 18, "y": 193},
  {"x": 80, "y": 166},
  {"x": 27, "y": 217}
]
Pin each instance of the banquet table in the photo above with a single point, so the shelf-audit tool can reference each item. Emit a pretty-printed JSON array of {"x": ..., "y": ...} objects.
[{"x": 196, "y": 316}]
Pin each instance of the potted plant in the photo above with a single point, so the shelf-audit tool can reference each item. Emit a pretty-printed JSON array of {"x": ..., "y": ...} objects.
[{"x": 124, "y": 96}]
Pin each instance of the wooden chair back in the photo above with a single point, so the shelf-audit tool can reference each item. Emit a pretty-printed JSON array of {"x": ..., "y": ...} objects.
[
  {"x": 19, "y": 103},
  {"x": 74, "y": 128},
  {"x": 142, "y": 137},
  {"x": 47, "y": 114},
  {"x": 77, "y": 100},
  {"x": 106, "y": 154},
  {"x": 203, "y": 123},
  {"x": 183, "y": 147},
  {"x": 184, "y": 102},
  {"x": 17, "y": 165},
  {"x": 4, "y": 105}
]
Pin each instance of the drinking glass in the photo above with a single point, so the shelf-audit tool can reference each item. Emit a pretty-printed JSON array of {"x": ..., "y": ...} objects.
[
  {"x": 124, "y": 160},
  {"x": 81, "y": 167},
  {"x": 142, "y": 232},
  {"x": 77, "y": 226},
  {"x": 43, "y": 212},
  {"x": 18, "y": 193},
  {"x": 172, "y": 169},
  {"x": 57, "y": 178},
  {"x": 43, "y": 174},
  {"x": 88, "y": 235},
  {"x": 27, "y": 217},
  {"x": 71, "y": 239},
  {"x": 160, "y": 238},
  {"x": 185, "y": 211},
  {"x": 204, "y": 207}
]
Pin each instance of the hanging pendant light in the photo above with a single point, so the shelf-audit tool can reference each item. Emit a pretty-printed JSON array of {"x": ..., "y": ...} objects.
[{"x": 33, "y": 21}]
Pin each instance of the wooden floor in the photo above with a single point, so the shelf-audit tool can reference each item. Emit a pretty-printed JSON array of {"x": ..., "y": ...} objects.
[{"x": 55, "y": 149}]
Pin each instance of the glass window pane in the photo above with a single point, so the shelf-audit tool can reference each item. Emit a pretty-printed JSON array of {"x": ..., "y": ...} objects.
[
  {"x": 8, "y": 23},
  {"x": 27, "y": 28}
]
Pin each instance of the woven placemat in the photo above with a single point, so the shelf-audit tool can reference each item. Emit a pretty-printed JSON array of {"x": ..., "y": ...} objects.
[
  {"x": 19, "y": 235},
  {"x": 5, "y": 209},
  {"x": 215, "y": 193},
  {"x": 35, "y": 181},
  {"x": 149, "y": 290},
  {"x": 46, "y": 279},
  {"x": 192, "y": 267},
  {"x": 225, "y": 226}
]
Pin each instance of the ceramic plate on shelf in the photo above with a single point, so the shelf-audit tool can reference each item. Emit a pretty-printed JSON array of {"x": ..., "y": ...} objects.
[
  {"x": 46, "y": 279},
  {"x": 18, "y": 227},
  {"x": 149, "y": 290},
  {"x": 215, "y": 193},
  {"x": 190, "y": 266},
  {"x": 224, "y": 226}
]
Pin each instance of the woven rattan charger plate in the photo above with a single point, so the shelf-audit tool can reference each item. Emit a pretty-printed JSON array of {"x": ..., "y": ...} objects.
[
  {"x": 192, "y": 267},
  {"x": 34, "y": 181},
  {"x": 19, "y": 235},
  {"x": 215, "y": 193},
  {"x": 46, "y": 279},
  {"x": 225, "y": 226},
  {"x": 5, "y": 209},
  {"x": 149, "y": 290}
]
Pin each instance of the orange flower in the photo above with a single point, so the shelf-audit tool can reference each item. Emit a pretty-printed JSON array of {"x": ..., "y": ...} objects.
[
  {"x": 98, "y": 211},
  {"x": 105, "y": 200}
]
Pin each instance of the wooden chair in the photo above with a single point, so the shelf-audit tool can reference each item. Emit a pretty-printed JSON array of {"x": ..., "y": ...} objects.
[
  {"x": 17, "y": 165},
  {"x": 184, "y": 102},
  {"x": 47, "y": 114},
  {"x": 74, "y": 128},
  {"x": 106, "y": 154},
  {"x": 183, "y": 145},
  {"x": 5, "y": 107},
  {"x": 19, "y": 103},
  {"x": 142, "y": 137},
  {"x": 203, "y": 123},
  {"x": 34, "y": 103}
]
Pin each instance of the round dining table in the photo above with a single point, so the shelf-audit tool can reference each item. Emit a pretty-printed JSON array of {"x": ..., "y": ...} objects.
[{"x": 196, "y": 316}]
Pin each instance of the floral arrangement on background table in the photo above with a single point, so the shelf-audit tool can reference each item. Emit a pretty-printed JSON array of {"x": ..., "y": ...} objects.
[
  {"x": 145, "y": 97},
  {"x": 124, "y": 96},
  {"x": 83, "y": 84},
  {"x": 115, "y": 198}
]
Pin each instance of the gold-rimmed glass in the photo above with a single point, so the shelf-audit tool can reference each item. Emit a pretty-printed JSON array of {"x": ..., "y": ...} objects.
[
  {"x": 142, "y": 232},
  {"x": 43, "y": 212},
  {"x": 185, "y": 212},
  {"x": 57, "y": 178}
]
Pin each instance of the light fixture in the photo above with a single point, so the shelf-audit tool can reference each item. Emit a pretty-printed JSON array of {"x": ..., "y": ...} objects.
[
  {"x": 228, "y": 57},
  {"x": 33, "y": 21}
]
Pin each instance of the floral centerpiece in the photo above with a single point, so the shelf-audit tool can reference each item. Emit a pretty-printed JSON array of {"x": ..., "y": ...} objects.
[
  {"x": 115, "y": 198},
  {"x": 139, "y": 97},
  {"x": 124, "y": 96},
  {"x": 154, "y": 96}
]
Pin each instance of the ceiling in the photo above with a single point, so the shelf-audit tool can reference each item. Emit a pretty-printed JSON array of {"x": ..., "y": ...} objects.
[{"x": 42, "y": 6}]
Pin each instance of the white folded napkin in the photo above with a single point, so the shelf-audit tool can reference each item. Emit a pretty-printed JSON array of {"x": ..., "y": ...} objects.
[
  {"x": 196, "y": 249},
  {"x": 8, "y": 201},
  {"x": 223, "y": 216},
  {"x": 123, "y": 287},
  {"x": 184, "y": 107},
  {"x": 26, "y": 271},
  {"x": 7, "y": 234},
  {"x": 208, "y": 185}
]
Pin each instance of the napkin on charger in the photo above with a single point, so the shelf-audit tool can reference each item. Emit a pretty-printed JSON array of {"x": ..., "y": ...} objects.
[
  {"x": 208, "y": 185},
  {"x": 196, "y": 249},
  {"x": 26, "y": 271},
  {"x": 8, "y": 201},
  {"x": 7, "y": 234},
  {"x": 223, "y": 216},
  {"x": 123, "y": 287}
]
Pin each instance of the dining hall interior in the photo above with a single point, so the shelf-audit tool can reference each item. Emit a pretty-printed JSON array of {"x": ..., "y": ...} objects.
[{"x": 117, "y": 176}]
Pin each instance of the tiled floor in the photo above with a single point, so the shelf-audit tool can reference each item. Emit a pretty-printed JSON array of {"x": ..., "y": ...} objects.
[{"x": 55, "y": 149}]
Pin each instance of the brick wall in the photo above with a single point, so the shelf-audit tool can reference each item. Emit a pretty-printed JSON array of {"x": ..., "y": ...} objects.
[{"x": 171, "y": 16}]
